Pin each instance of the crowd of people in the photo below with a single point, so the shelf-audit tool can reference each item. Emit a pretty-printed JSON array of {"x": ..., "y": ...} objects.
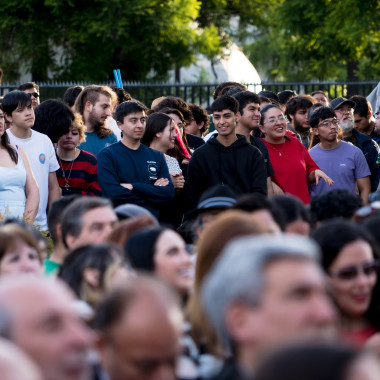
[{"x": 173, "y": 242}]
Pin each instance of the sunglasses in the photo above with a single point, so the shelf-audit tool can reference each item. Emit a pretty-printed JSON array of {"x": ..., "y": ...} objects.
[
  {"x": 349, "y": 273},
  {"x": 35, "y": 94}
]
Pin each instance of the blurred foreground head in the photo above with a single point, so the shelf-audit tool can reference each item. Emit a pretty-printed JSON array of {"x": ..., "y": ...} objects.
[
  {"x": 265, "y": 291},
  {"x": 37, "y": 315},
  {"x": 139, "y": 326}
]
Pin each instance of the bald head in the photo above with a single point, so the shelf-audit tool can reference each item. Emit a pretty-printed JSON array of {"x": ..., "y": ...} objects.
[
  {"x": 14, "y": 364},
  {"x": 139, "y": 327},
  {"x": 43, "y": 324}
]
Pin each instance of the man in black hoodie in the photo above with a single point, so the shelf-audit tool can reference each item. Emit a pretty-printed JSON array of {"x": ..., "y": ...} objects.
[{"x": 227, "y": 158}]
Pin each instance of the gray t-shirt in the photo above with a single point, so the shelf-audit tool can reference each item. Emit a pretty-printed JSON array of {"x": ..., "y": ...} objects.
[{"x": 343, "y": 164}]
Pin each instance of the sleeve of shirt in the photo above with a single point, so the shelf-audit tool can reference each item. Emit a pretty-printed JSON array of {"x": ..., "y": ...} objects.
[
  {"x": 196, "y": 179},
  {"x": 310, "y": 163},
  {"x": 53, "y": 162},
  {"x": 373, "y": 154},
  {"x": 259, "y": 173},
  {"x": 156, "y": 194},
  {"x": 110, "y": 183},
  {"x": 361, "y": 166}
]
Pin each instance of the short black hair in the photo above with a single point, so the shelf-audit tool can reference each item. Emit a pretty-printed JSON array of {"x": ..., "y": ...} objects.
[
  {"x": 321, "y": 114},
  {"x": 285, "y": 95},
  {"x": 293, "y": 209},
  {"x": 298, "y": 103},
  {"x": 71, "y": 95},
  {"x": 334, "y": 204},
  {"x": 255, "y": 202},
  {"x": 225, "y": 102},
  {"x": 246, "y": 97},
  {"x": 28, "y": 86},
  {"x": 269, "y": 94},
  {"x": 53, "y": 118},
  {"x": 126, "y": 108},
  {"x": 220, "y": 88},
  {"x": 15, "y": 99},
  {"x": 363, "y": 106}
]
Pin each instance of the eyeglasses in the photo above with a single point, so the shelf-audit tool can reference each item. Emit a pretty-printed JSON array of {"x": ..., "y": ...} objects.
[
  {"x": 328, "y": 123},
  {"x": 272, "y": 120},
  {"x": 349, "y": 273},
  {"x": 35, "y": 94}
]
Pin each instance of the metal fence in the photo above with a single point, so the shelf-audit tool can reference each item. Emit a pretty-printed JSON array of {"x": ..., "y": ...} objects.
[{"x": 202, "y": 93}]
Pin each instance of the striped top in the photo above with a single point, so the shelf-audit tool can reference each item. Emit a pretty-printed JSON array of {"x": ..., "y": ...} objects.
[{"x": 81, "y": 175}]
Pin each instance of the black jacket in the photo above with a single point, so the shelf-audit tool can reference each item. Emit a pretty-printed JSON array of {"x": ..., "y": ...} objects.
[{"x": 241, "y": 166}]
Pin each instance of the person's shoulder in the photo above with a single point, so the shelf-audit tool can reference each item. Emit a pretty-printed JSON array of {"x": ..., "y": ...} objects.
[
  {"x": 84, "y": 155},
  {"x": 40, "y": 136},
  {"x": 110, "y": 150}
]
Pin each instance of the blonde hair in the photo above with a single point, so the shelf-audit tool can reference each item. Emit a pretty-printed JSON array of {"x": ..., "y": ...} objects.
[{"x": 79, "y": 125}]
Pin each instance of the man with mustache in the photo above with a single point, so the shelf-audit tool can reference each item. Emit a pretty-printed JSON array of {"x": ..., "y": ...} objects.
[
  {"x": 341, "y": 161},
  {"x": 296, "y": 111},
  {"x": 344, "y": 110},
  {"x": 95, "y": 104}
]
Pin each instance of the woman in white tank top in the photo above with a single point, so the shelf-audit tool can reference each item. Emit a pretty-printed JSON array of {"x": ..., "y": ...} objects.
[{"x": 19, "y": 195}]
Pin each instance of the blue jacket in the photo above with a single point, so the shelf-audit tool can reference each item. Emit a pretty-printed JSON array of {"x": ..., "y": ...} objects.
[
  {"x": 371, "y": 151},
  {"x": 142, "y": 167}
]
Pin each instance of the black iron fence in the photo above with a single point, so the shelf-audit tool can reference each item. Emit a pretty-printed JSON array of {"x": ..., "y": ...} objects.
[{"x": 202, "y": 93}]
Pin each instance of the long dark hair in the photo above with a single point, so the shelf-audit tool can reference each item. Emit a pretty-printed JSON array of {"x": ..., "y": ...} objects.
[
  {"x": 155, "y": 123},
  {"x": 4, "y": 141},
  {"x": 332, "y": 236}
]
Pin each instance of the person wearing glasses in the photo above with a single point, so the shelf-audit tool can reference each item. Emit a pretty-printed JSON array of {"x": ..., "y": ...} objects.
[
  {"x": 33, "y": 90},
  {"x": 343, "y": 162},
  {"x": 293, "y": 166},
  {"x": 344, "y": 109},
  {"x": 350, "y": 260}
]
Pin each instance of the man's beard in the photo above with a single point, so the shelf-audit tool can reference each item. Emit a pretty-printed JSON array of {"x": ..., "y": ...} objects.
[
  {"x": 94, "y": 121},
  {"x": 300, "y": 128},
  {"x": 347, "y": 126}
]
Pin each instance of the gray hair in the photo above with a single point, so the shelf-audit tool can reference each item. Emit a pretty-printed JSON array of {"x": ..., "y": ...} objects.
[
  {"x": 72, "y": 216},
  {"x": 238, "y": 273}
]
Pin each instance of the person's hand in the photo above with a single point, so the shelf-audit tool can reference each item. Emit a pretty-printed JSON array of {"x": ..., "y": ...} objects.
[
  {"x": 276, "y": 189},
  {"x": 128, "y": 186},
  {"x": 178, "y": 181},
  {"x": 320, "y": 175},
  {"x": 162, "y": 182}
]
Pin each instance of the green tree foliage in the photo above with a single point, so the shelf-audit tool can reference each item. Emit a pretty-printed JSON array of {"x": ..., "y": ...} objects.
[
  {"x": 91, "y": 38},
  {"x": 324, "y": 39},
  {"x": 285, "y": 39}
]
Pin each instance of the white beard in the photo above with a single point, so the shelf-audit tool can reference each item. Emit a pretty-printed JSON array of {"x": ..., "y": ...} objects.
[{"x": 347, "y": 126}]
